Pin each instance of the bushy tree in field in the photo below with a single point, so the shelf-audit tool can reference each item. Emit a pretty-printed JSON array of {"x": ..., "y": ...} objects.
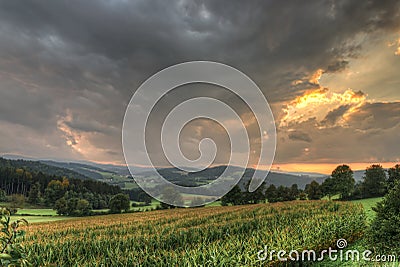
[
  {"x": 374, "y": 184},
  {"x": 238, "y": 197},
  {"x": 328, "y": 187},
  {"x": 83, "y": 207},
  {"x": 119, "y": 202},
  {"x": 284, "y": 194},
  {"x": 313, "y": 191},
  {"x": 233, "y": 197},
  {"x": 393, "y": 176},
  {"x": 358, "y": 190},
  {"x": 271, "y": 194},
  {"x": 72, "y": 207},
  {"x": 255, "y": 197},
  {"x": 385, "y": 229},
  {"x": 303, "y": 196},
  {"x": 61, "y": 206},
  {"x": 343, "y": 181},
  {"x": 294, "y": 191}
]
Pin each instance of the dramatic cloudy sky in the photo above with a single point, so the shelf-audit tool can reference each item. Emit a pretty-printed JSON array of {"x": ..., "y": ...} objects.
[{"x": 329, "y": 69}]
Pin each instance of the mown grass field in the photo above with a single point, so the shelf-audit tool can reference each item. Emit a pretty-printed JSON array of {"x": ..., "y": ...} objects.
[
  {"x": 38, "y": 212},
  {"x": 209, "y": 236},
  {"x": 40, "y": 219},
  {"x": 368, "y": 204},
  {"x": 361, "y": 244}
]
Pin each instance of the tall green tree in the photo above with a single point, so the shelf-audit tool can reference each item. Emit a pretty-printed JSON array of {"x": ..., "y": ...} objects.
[
  {"x": 294, "y": 191},
  {"x": 343, "y": 180},
  {"x": 54, "y": 191},
  {"x": 328, "y": 187},
  {"x": 384, "y": 232},
  {"x": 257, "y": 196},
  {"x": 313, "y": 191},
  {"x": 393, "y": 176},
  {"x": 61, "y": 206},
  {"x": 374, "y": 184},
  {"x": 119, "y": 202},
  {"x": 72, "y": 206},
  {"x": 284, "y": 194},
  {"x": 83, "y": 207},
  {"x": 271, "y": 194},
  {"x": 34, "y": 194},
  {"x": 234, "y": 197}
]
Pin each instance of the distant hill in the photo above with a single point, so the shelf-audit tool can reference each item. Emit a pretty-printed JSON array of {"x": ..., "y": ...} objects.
[
  {"x": 114, "y": 175},
  {"x": 37, "y": 166},
  {"x": 119, "y": 174},
  {"x": 118, "y": 169},
  {"x": 203, "y": 177},
  {"x": 82, "y": 169}
]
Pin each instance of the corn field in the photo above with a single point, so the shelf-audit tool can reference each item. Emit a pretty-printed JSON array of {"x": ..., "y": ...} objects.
[{"x": 210, "y": 236}]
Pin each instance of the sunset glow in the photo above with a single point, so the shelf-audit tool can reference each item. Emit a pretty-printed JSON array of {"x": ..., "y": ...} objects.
[{"x": 327, "y": 168}]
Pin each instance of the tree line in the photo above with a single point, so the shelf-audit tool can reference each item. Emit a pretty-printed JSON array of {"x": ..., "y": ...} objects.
[{"x": 376, "y": 182}]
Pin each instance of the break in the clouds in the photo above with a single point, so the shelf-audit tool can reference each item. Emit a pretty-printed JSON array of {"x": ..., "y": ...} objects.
[{"x": 328, "y": 68}]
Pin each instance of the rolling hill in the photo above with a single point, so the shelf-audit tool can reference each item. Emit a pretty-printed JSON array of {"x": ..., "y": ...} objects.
[{"x": 119, "y": 175}]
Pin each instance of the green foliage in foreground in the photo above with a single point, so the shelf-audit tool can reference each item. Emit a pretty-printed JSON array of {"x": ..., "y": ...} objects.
[
  {"x": 385, "y": 228},
  {"x": 368, "y": 204},
  {"x": 210, "y": 236},
  {"x": 12, "y": 253}
]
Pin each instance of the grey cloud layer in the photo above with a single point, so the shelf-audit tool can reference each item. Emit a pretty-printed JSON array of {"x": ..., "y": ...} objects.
[{"x": 76, "y": 63}]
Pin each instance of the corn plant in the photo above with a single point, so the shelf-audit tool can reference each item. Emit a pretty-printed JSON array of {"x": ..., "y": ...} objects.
[
  {"x": 209, "y": 236},
  {"x": 12, "y": 252}
]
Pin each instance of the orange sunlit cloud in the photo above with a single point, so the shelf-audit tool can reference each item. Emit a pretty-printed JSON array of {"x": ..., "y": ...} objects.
[
  {"x": 396, "y": 43},
  {"x": 318, "y": 103},
  {"x": 316, "y": 76},
  {"x": 80, "y": 142}
]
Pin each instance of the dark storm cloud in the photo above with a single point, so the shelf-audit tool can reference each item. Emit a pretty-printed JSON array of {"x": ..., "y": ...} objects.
[
  {"x": 89, "y": 126},
  {"x": 77, "y": 63},
  {"x": 16, "y": 108},
  {"x": 300, "y": 136},
  {"x": 334, "y": 115},
  {"x": 337, "y": 66},
  {"x": 377, "y": 116},
  {"x": 155, "y": 34}
]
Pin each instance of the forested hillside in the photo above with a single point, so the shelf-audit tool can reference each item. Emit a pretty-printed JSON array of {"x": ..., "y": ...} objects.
[
  {"x": 37, "y": 166},
  {"x": 35, "y": 182}
]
